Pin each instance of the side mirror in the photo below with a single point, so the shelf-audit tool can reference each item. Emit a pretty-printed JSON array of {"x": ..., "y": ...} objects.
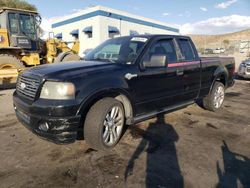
[{"x": 156, "y": 61}]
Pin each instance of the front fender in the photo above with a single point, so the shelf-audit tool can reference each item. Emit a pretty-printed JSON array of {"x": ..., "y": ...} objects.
[{"x": 97, "y": 90}]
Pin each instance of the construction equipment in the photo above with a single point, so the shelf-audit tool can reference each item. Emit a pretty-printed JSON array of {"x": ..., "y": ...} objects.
[
  {"x": 21, "y": 46},
  {"x": 58, "y": 50}
]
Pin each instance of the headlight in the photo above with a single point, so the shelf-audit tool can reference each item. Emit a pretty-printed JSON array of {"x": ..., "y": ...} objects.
[{"x": 58, "y": 90}]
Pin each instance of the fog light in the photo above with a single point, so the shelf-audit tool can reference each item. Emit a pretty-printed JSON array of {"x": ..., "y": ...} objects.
[{"x": 44, "y": 126}]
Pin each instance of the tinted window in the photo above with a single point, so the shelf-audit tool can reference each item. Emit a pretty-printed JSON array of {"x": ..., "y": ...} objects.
[
  {"x": 27, "y": 23},
  {"x": 186, "y": 49},
  {"x": 13, "y": 22},
  {"x": 163, "y": 47}
]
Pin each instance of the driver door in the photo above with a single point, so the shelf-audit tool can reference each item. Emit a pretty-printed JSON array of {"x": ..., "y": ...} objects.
[{"x": 158, "y": 87}]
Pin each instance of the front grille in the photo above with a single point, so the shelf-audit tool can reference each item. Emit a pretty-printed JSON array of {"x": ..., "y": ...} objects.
[
  {"x": 27, "y": 86},
  {"x": 248, "y": 69}
]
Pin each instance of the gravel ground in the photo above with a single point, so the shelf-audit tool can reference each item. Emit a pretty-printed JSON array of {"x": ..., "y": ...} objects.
[{"x": 187, "y": 148}]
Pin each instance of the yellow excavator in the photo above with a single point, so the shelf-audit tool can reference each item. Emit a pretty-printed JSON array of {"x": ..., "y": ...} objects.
[{"x": 21, "y": 46}]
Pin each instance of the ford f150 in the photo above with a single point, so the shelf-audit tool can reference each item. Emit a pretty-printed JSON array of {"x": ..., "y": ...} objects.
[{"x": 123, "y": 81}]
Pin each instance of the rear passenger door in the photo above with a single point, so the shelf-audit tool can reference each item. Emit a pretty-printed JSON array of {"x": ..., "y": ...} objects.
[{"x": 191, "y": 65}]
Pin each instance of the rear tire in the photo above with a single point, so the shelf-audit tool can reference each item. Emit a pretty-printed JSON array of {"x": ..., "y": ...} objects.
[
  {"x": 214, "y": 100},
  {"x": 104, "y": 124},
  {"x": 8, "y": 61}
]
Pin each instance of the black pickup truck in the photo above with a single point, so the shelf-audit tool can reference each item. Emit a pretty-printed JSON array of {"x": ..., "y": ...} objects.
[{"x": 123, "y": 81}]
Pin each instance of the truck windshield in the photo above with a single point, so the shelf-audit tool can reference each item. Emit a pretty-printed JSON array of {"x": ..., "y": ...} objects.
[{"x": 118, "y": 50}]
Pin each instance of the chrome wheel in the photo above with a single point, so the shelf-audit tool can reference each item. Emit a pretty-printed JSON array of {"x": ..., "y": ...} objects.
[
  {"x": 219, "y": 96},
  {"x": 113, "y": 125}
]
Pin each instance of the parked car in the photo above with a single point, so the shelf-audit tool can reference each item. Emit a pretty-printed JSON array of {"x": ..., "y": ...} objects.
[
  {"x": 244, "y": 69},
  {"x": 219, "y": 51},
  {"x": 125, "y": 80},
  {"x": 208, "y": 51}
]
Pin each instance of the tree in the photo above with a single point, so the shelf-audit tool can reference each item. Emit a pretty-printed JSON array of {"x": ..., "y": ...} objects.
[
  {"x": 226, "y": 43},
  {"x": 20, "y": 4}
]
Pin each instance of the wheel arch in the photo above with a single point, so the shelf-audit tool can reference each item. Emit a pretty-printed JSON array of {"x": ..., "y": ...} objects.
[
  {"x": 118, "y": 94},
  {"x": 221, "y": 75}
]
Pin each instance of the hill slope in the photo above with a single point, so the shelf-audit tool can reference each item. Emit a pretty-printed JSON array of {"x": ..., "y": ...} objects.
[{"x": 210, "y": 40}]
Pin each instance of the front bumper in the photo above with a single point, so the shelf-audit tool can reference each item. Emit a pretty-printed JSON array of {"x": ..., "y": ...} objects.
[
  {"x": 244, "y": 72},
  {"x": 62, "y": 129},
  {"x": 244, "y": 75}
]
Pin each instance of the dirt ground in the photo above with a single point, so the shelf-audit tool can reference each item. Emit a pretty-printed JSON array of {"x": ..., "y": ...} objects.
[{"x": 187, "y": 148}]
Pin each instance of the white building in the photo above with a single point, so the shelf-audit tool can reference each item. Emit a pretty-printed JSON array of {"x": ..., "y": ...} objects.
[
  {"x": 96, "y": 24},
  {"x": 244, "y": 46}
]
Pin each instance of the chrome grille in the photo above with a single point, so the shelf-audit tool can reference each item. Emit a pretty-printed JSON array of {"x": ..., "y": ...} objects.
[
  {"x": 27, "y": 86},
  {"x": 248, "y": 69}
]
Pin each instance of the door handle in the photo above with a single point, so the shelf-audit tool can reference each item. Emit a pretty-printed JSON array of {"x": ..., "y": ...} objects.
[
  {"x": 129, "y": 76},
  {"x": 179, "y": 72}
]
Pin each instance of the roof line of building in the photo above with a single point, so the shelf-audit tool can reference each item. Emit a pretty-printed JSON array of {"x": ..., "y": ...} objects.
[{"x": 114, "y": 16}]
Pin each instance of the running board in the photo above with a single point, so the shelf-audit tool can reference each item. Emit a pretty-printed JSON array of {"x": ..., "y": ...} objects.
[{"x": 154, "y": 113}]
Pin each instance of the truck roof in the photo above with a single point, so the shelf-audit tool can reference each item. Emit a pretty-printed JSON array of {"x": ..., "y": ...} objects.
[
  {"x": 149, "y": 36},
  {"x": 2, "y": 9}
]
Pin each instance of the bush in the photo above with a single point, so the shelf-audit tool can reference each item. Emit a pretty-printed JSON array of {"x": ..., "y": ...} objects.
[{"x": 20, "y": 4}]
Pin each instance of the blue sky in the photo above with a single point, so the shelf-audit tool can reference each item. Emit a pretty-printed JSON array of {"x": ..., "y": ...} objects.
[{"x": 193, "y": 16}]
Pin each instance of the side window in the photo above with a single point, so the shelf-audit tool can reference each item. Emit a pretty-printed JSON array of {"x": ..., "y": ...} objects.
[
  {"x": 27, "y": 23},
  {"x": 13, "y": 22},
  {"x": 186, "y": 49},
  {"x": 163, "y": 47},
  {"x": 134, "y": 50}
]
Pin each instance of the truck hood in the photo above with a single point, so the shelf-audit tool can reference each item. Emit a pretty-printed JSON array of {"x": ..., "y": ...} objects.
[{"x": 66, "y": 70}]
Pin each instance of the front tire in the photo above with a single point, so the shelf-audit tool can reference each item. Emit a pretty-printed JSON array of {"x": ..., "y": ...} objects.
[
  {"x": 7, "y": 62},
  {"x": 215, "y": 98},
  {"x": 104, "y": 124}
]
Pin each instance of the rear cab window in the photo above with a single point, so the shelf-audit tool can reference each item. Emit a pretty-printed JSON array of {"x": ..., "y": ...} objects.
[{"x": 186, "y": 50}]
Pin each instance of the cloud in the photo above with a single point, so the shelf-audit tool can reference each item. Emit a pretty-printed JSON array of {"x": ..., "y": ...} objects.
[
  {"x": 217, "y": 25},
  {"x": 46, "y": 25},
  {"x": 225, "y": 4},
  {"x": 47, "y": 22},
  {"x": 166, "y": 14},
  {"x": 75, "y": 10},
  {"x": 203, "y": 9}
]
